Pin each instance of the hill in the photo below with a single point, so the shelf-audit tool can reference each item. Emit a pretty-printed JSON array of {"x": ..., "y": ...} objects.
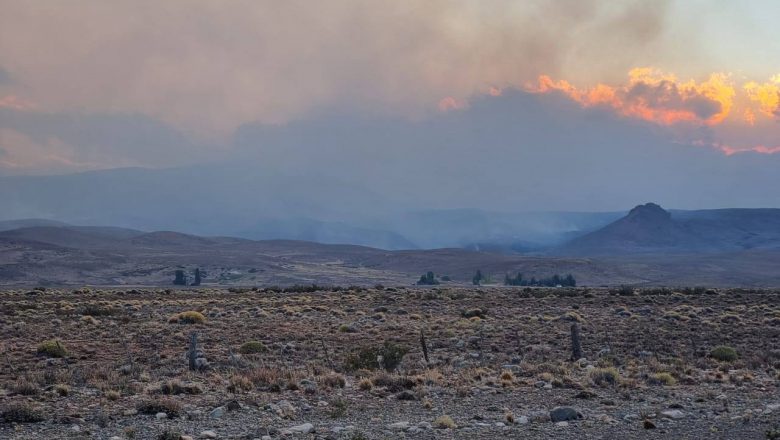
[
  {"x": 114, "y": 256},
  {"x": 649, "y": 229}
]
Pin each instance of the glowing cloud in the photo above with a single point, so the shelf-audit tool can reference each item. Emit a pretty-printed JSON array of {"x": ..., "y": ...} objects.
[
  {"x": 653, "y": 96},
  {"x": 767, "y": 95}
]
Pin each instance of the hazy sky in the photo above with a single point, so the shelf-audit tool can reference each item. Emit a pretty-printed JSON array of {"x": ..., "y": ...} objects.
[{"x": 105, "y": 84}]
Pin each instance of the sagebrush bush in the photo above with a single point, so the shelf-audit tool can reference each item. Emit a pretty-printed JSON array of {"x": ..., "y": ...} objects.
[
  {"x": 604, "y": 376},
  {"x": 661, "y": 379},
  {"x": 444, "y": 422},
  {"x": 52, "y": 348},
  {"x": 368, "y": 358},
  {"x": 170, "y": 407},
  {"x": 188, "y": 317},
  {"x": 252, "y": 347},
  {"x": 21, "y": 413},
  {"x": 724, "y": 353}
]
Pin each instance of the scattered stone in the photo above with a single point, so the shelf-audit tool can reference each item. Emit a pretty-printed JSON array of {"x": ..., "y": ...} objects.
[
  {"x": 564, "y": 413},
  {"x": 217, "y": 412},
  {"x": 208, "y": 434},
  {"x": 674, "y": 414},
  {"x": 399, "y": 426},
  {"x": 305, "y": 428}
]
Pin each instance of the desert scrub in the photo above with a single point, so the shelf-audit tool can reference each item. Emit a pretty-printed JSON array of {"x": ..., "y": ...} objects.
[
  {"x": 365, "y": 384},
  {"x": 21, "y": 413},
  {"x": 333, "y": 380},
  {"x": 25, "y": 387},
  {"x": 471, "y": 313},
  {"x": 170, "y": 407},
  {"x": 444, "y": 422},
  {"x": 52, "y": 348},
  {"x": 369, "y": 358},
  {"x": 252, "y": 347},
  {"x": 724, "y": 353},
  {"x": 188, "y": 317},
  {"x": 604, "y": 376},
  {"x": 661, "y": 379}
]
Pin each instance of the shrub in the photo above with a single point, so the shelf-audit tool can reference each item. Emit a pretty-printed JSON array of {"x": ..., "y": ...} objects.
[
  {"x": 169, "y": 435},
  {"x": 25, "y": 387},
  {"x": 724, "y": 353},
  {"x": 62, "y": 390},
  {"x": 21, "y": 413},
  {"x": 52, "y": 348},
  {"x": 252, "y": 347},
  {"x": 167, "y": 406},
  {"x": 188, "y": 317},
  {"x": 444, "y": 422},
  {"x": 334, "y": 380},
  {"x": 480, "y": 313},
  {"x": 176, "y": 387},
  {"x": 365, "y": 384},
  {"x": 623, "y": 290},
  {"x": 604, "y": 376},
  {"x": 368, "y": 358},
  {"x": 661, "y": 379}
]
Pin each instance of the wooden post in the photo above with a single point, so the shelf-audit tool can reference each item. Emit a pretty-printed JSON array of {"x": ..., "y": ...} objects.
[
  {"x": 191, "y": 355},
  {"x": 576, "y": 347},
  {"x": 424, "y": 348}
]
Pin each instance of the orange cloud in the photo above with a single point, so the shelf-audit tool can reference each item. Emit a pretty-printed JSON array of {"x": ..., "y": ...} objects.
[
  {"x": 15, "y": 103},
  {"x": 653, "y": 96},
  {"x": 767, "y": 95},
  {"x": 450, "y": 103}
]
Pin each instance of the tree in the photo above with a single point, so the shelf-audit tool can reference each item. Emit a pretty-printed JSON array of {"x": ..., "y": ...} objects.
[
  {"x": 197, "y": 277},
  {"x": 180, "y": 278},
  {"x": 429, "y": 279},
  {"x": 477, "y": 278}
]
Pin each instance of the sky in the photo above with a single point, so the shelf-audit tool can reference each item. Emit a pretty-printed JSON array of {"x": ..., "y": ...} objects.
[{"x": 430, "y": 100}]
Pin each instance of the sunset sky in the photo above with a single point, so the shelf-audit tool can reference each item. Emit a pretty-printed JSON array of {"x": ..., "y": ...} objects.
[{"x": 105, "y": 84}]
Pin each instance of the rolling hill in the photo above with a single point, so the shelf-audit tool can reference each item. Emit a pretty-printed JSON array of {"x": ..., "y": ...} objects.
[{"x": 649, "y": 229}]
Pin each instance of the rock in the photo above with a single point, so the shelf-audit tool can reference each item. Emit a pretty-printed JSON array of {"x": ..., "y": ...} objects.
[
  {"x": 540, "y": 416},
  {"x": 115, "y": 438},
  {"x": 186, "y": 437},
  {"x": 585, "y": 394},
  {"x": 208, "y": 434},
  {"x": 305, "y": 428},
  {"x": 564, "y": 413},
  {"x": 233, "y": 405},
  {"x": 161, "y": 415},
  {"x": 406, "y": 395},
  {"x": 562, "y": 424},
  {"x": 217, "y": 412},
  {"x": 674, "y": 414},
  {"x": 284, "y": 409},
  {"x": 522, "y": 420},
  {"x": 425, "y": 425},
  {"x": 399, "y": 426},
  {"x": 130, "y": 412}
]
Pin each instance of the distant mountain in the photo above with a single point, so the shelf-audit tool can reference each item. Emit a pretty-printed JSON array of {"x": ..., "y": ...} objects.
[
  {"x": 649, "y": 229},
  {"x": 7, "y": 225},
  {"x": 68, "y": 255}
]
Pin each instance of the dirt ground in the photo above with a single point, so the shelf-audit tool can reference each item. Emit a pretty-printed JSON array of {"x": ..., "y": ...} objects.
[{"x": 304, "y": 364}]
